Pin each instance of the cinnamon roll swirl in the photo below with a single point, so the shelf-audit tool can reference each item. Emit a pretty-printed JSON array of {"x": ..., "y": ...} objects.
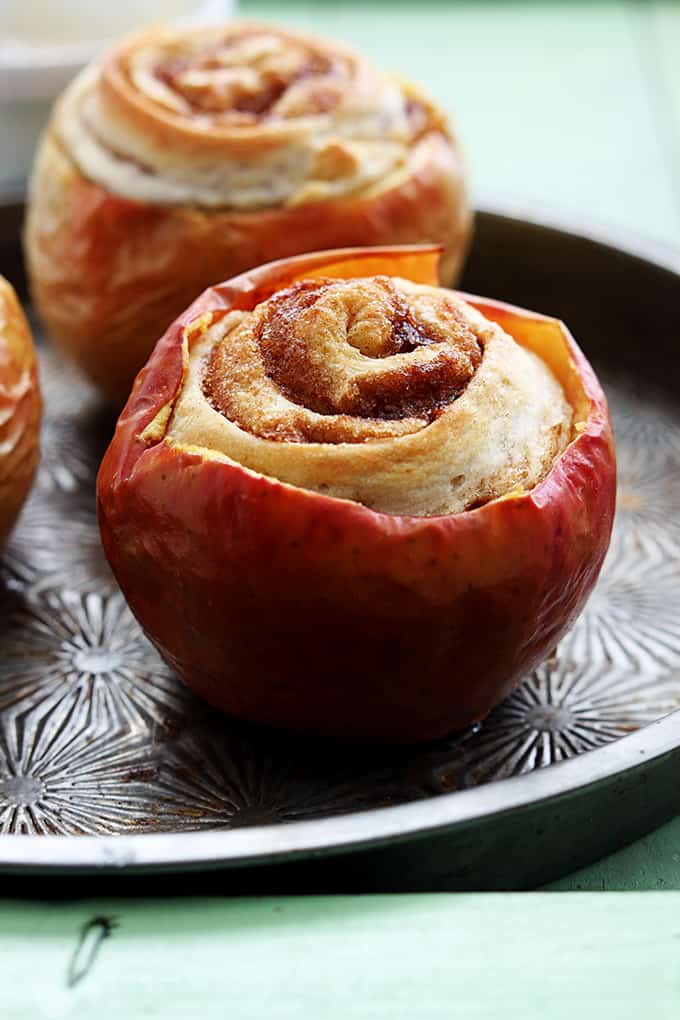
[
  {"x": 183, "y": 158},
  {"x": 396, "y": 395}
]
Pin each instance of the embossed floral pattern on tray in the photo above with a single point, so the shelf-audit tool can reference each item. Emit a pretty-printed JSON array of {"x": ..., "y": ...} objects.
[{"x": 98, "y": 736}]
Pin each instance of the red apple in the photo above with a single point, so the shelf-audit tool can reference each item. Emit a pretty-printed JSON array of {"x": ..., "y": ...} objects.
[
  {"x": 20, "y": 408},
  {"x": 295, "y": 609}
]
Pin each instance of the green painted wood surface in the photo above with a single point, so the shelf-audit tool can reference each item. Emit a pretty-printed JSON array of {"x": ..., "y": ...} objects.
[
  {"x": 652, "y": 863},
  {"x": 473, "y": 957},
  {"x": 563, "y": 105}
]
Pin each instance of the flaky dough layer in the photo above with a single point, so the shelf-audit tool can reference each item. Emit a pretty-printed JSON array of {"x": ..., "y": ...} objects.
[
  {"x": 494, "y": 423},
  {"x": 244, "y": 117}
]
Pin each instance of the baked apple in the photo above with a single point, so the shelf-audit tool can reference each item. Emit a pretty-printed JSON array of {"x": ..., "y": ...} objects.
[
  {"x": 187, "y": 155},
  {"x": 20, "y": 409},
  {"x": 343, "y": 500}
]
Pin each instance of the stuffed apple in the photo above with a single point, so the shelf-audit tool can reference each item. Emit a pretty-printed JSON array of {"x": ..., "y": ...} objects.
[
  {"x": 20, "y": 409},
  {"x": 344, "y": 500},
  {"x": 184, "y": 156}
]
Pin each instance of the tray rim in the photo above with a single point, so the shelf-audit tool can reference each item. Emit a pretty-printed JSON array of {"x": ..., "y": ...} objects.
[
  {"x": 375, "y": 827},
  {"x": 368, "y": 829},
  {"x": 630, "y": 242}
]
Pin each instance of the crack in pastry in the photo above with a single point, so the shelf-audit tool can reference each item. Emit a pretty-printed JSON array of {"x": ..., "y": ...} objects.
[{"x": 392, "y": 394}]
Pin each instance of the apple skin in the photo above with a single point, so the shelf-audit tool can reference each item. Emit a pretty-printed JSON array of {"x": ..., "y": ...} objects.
[
  {"x": 298, "y": 610},
  {"x": 20, "y": 409}
]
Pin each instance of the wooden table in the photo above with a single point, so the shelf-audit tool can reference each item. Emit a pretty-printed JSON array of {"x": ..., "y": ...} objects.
[
  {"x": 570, "y": 107},
  {"x": 426, "y": 957}
]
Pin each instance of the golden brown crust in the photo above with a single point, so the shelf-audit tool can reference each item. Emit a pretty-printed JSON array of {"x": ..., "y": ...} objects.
[
  {"x": 212, "y": 85},
  {"x": 20, "y": 408},
  {"x": 395, "y": 395},
  {"x": 109, "y": 273},
  {"x": 337, "y": 349}
]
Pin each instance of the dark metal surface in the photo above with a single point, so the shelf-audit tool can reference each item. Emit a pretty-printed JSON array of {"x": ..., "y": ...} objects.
[{"x": 100, "y": 747}]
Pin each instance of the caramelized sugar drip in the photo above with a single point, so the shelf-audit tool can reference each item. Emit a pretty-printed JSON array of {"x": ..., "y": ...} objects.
[
  {"x": 244, "y": 78},
  {"x": 336, "y": 361}
]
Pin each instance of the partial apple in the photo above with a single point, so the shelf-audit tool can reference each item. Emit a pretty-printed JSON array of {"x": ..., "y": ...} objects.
[{"x": 20, "y": 409}]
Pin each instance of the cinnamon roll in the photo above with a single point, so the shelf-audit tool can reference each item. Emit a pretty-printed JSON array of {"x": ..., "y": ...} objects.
[
  {"x": 20, "y": 408},
  {"x": 342, "y": 499},
  {"x": 185, "y": 157},
  {"x": 395, "y": 395}
]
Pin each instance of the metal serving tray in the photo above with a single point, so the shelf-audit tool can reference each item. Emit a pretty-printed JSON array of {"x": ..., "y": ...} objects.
[{"x": 107, "y": 764}]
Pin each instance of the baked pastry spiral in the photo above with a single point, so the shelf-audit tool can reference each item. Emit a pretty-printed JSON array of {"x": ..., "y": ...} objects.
[
  {"x": 20, "y": 408},
  {"x": 398, "y": 396},
  {"x": 343, "y": 500},
  {"x": 185, "y": 157}
]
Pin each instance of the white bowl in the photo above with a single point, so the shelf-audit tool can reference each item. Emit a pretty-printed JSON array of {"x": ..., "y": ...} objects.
[{"x": 41, "y": 51}]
